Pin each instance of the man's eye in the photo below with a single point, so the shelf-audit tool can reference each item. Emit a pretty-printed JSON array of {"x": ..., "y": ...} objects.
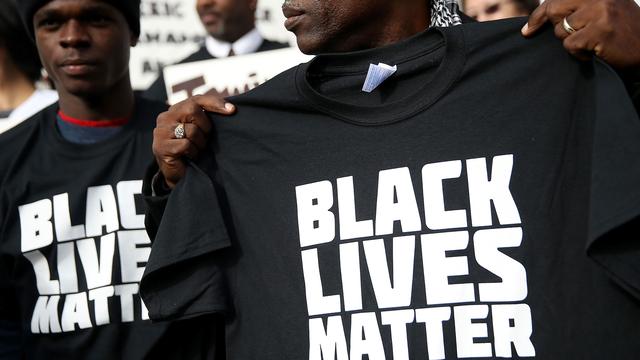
[
  {"x": 492, "y": 9},
  {"x": 49, "y": 23}
]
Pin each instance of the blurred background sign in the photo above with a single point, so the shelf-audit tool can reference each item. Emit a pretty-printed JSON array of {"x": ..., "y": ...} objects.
[
  {"x": 228, "y": 76},
  {"x": 171, "y": 30}
]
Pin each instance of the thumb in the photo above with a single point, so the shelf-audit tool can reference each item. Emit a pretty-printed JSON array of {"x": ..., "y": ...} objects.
[{"x": 538, "y": 18}]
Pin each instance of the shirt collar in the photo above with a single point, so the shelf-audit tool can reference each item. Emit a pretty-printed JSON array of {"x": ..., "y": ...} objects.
[{"x": 247, "y": 44}]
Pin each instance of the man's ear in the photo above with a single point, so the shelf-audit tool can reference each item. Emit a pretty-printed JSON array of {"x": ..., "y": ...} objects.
[
  {"x": 253, "y": 5},
  {"x": 133, "y": 40}
]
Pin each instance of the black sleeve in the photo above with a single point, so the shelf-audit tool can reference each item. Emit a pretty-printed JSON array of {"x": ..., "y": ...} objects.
[
  {"x": 182, "y": 278},
  {"x": 615, "y": 192},
  {"x": 632, "y": 81},
  {"x": 634, "y": 91},
  {"x": 154, "y": 203},
  {"x": 198, "y": 338}
]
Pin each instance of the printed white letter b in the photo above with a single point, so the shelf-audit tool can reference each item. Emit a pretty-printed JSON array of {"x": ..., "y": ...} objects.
[
  {"x": 316, "y": 223},
  {"x": 36, "y": 230}
]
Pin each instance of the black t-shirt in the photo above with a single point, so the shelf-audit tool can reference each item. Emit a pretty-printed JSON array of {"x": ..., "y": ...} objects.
[
  {"x": 478, "y": 204},
  {"x": 73, "y": 245}
]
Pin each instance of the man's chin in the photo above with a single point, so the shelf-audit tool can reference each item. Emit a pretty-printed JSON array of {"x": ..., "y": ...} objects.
[
  {"x": 215, "y": 31},
  {"x": 84, "y": 89},
  {"x": 309, "y": 45}
]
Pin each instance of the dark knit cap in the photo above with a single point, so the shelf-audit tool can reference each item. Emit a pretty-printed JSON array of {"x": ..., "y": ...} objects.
[{"x": 129, "y": 8}]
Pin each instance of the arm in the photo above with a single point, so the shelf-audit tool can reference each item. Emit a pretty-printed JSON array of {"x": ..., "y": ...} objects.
[{"x": 170, "y": 153}]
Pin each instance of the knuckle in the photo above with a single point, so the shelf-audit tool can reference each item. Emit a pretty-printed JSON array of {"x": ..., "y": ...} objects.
[
  {"x": 182, "y": 147},
  {"x": 607, "y": 10},
  {"x": 155, "y": 149},
  {"x": 552, "y": 9},
  {"x": 169, "y": 161},
  {"x": 608, "y": 30},
  {"x": 560, "y": 32},
  {"x": 569, "y": 44},
  {"x": 609, "y": 5},
  {"x": 162, "y": 118},
  {"x": 192, "y": 106}
]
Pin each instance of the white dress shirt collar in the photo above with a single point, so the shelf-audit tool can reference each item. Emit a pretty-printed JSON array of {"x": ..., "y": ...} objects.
[{"x": 247, "y": 44}]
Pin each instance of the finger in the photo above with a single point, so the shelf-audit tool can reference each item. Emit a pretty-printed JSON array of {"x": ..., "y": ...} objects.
[
  {"x": 537, "y": 18},
  {"x": 176, "y": 149},
  {"x": 163, "y": 135},
  {"x": 582, "y": 43},
  {"x": 191, "y": 113},
  {"x": 201, "y": 120},
  {"x": 550, "y": 11},
  {"x": 214, "y": 104},
  {"x": 194, "y": 134},
  {"x": 560, "y": 32},
  {"x": 166, "y": 119},
  {"x": 575, "y": 21}
]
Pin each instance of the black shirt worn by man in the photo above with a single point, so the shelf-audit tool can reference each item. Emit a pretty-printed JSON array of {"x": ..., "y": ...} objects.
[
  {"x": 157, "y": 90},
  {"x": 478, "y": 204},
  {"x": 73, "y": 245}
]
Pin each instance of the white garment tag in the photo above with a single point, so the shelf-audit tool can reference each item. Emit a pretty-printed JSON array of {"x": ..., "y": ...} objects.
[{"x": 377, "y": 75}]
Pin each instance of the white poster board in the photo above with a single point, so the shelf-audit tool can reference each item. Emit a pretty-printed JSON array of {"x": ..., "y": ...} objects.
[
  {"x": 229, "y": 76},
  {"x": 171, "y": 30}
]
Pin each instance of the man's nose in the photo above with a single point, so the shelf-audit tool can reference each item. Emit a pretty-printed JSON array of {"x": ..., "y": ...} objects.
[{"x": 74, "y": 34}]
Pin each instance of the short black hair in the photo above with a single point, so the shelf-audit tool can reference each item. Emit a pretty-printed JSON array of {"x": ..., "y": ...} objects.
[
  {"x": 130, "y": 9},
  {"x": 14, "y": 38}
]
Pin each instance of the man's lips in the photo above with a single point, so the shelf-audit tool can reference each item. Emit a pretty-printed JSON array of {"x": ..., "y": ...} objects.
[
  {"x": 293, "y": 16},
  {"x": 76, "y": 67},
  {"x": 209, "y": 17}
]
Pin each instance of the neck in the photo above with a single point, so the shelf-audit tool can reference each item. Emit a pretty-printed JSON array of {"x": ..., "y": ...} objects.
[
  {"x": 233, "y": 35},
  {"x": 15, "y": 87},
  {"x": 397, "y": 23},
  {"x": 115, "y": 103}
]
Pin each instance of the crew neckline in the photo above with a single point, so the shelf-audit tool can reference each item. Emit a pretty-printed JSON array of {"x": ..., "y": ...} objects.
[
  {"x": 422, "y": 44},
  {"x": 78, "y": 150}
]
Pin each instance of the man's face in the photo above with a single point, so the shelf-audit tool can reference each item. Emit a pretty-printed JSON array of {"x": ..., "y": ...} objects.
[
  {"x": 227, "y": 19},
  {"x": 323, "y": 26},
  {"x": 84, "y": 45},
  {"x": 487, "y": 10}
]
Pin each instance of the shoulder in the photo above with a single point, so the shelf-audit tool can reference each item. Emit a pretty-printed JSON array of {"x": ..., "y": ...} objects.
[
  {"x": 279, "y": 90},
  {"x": 21, "y": 142},
  {"x": 199, "y": 55},
  {"x": 272, "y": 45},
  {"x": 20, "y": 133}
]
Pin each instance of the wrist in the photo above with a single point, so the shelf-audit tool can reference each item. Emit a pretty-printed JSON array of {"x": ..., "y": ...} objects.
[{"x": 160, "y": 186}]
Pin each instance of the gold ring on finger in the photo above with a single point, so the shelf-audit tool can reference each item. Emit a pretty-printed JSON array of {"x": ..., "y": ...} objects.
[{"x": 567, "y": 27}]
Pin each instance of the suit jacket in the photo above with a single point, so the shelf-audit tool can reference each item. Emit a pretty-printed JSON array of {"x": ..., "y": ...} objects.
[{"x": 157, "y": 90}]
